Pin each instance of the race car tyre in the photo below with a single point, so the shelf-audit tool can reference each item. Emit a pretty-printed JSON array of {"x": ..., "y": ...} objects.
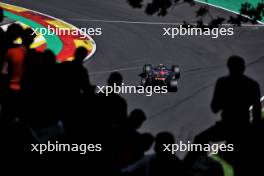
[
  {"x": 143, "y": 82},
  {"x": 147, "y": 68},
  {"x": 173, "y": 85},
  {"x": 176, "y": 70}
]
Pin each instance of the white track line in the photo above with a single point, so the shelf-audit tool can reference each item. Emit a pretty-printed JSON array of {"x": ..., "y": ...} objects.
[
  {"x": 123, "y": 21},
  {"x": 150, "y": 23}
]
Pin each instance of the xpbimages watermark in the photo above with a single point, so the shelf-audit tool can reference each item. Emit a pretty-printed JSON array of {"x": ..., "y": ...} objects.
[
  {"x": 126, "y": 89},
  {"x": 214, "y": 33},
  {"x": 211, "y": 149},
  {"x": 59, "y": 147},
  {"x": 82, "y": 32}
]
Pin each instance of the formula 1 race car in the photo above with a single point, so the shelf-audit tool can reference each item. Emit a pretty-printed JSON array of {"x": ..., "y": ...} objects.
[{"x": 161, "y": 76}]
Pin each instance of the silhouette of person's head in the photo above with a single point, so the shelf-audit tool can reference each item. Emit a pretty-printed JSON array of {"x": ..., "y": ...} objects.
[
  {"x": 28, "y": 36},
  {"x": 115, "y": 78},
  {"x": 236, "y": 65},
  {"x": 49, "y": 57},
  {"x": 136, "y": 119},
  {"x": 1, "y": 14},
  {"x": 80, "y": 54},
  {"x": 13, "y": 32},
  {"x": 161, "y": 139}
]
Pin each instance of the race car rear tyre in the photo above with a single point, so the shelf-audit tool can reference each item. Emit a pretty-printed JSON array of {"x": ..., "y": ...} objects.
[
  {"x": 147, "y": 68},
  {"x": 173, "y": 85},
  {"x": 143, "y": 82},
  {"x": 176, "y": 70}
]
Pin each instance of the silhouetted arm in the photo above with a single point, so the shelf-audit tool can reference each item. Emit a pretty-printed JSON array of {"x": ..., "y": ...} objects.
[
  {"x": 257, "y": 106},
  {"x": 85, "y": 82},
  {"x": 216, "y": 104}
]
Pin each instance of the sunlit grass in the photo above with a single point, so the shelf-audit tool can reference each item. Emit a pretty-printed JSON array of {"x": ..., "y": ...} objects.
[
  {"x": 233, "y": 5},
  {"x": 227, "y": 168}
]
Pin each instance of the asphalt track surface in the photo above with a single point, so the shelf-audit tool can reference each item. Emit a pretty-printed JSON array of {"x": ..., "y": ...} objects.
[{"x": 126, "y": 47}]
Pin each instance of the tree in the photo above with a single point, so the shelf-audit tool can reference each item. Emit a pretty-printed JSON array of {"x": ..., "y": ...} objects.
[{"x": 248, "y": 13}]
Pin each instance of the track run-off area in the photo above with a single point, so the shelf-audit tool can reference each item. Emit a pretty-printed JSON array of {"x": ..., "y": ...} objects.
[{"x": 45, "y": 27}]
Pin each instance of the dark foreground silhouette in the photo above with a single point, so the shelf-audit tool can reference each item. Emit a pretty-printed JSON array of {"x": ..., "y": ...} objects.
[{"x": 233, "y": 96}]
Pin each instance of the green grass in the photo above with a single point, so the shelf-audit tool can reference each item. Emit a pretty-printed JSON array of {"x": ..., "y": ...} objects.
[
  {"x": 233, "y": 5},
  {"x": 227, "y": 168}
]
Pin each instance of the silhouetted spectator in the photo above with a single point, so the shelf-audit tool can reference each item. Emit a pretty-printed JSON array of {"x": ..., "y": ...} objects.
[
  {"x": 12, "y": 71},
  {"x": 32, "y": 57},
  {"x": 158, "y": 164},
  {"x": 2, "y": 46},
  {"x": 115, "y": 79},
  {"x": 80, "y": 55},
  {"x": 147, "y": 140},
  {"x": 1, "y": 14},
  {"x": 233, "y": 96},
  {"x": 2, "y": 56},
  {"x": 136, "y": 119},
  {"x": 75, "y": 75},
  {"x": 116, "y": 105},
  {"x": 130, "y": 147},
  {"x": 74, "y": 85},
  {"x": 13, "y": 32},
  {"x": 40, "y": 89},
  {"x": 28, "y": 37},
  {"x": 15, "y": 57}
]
